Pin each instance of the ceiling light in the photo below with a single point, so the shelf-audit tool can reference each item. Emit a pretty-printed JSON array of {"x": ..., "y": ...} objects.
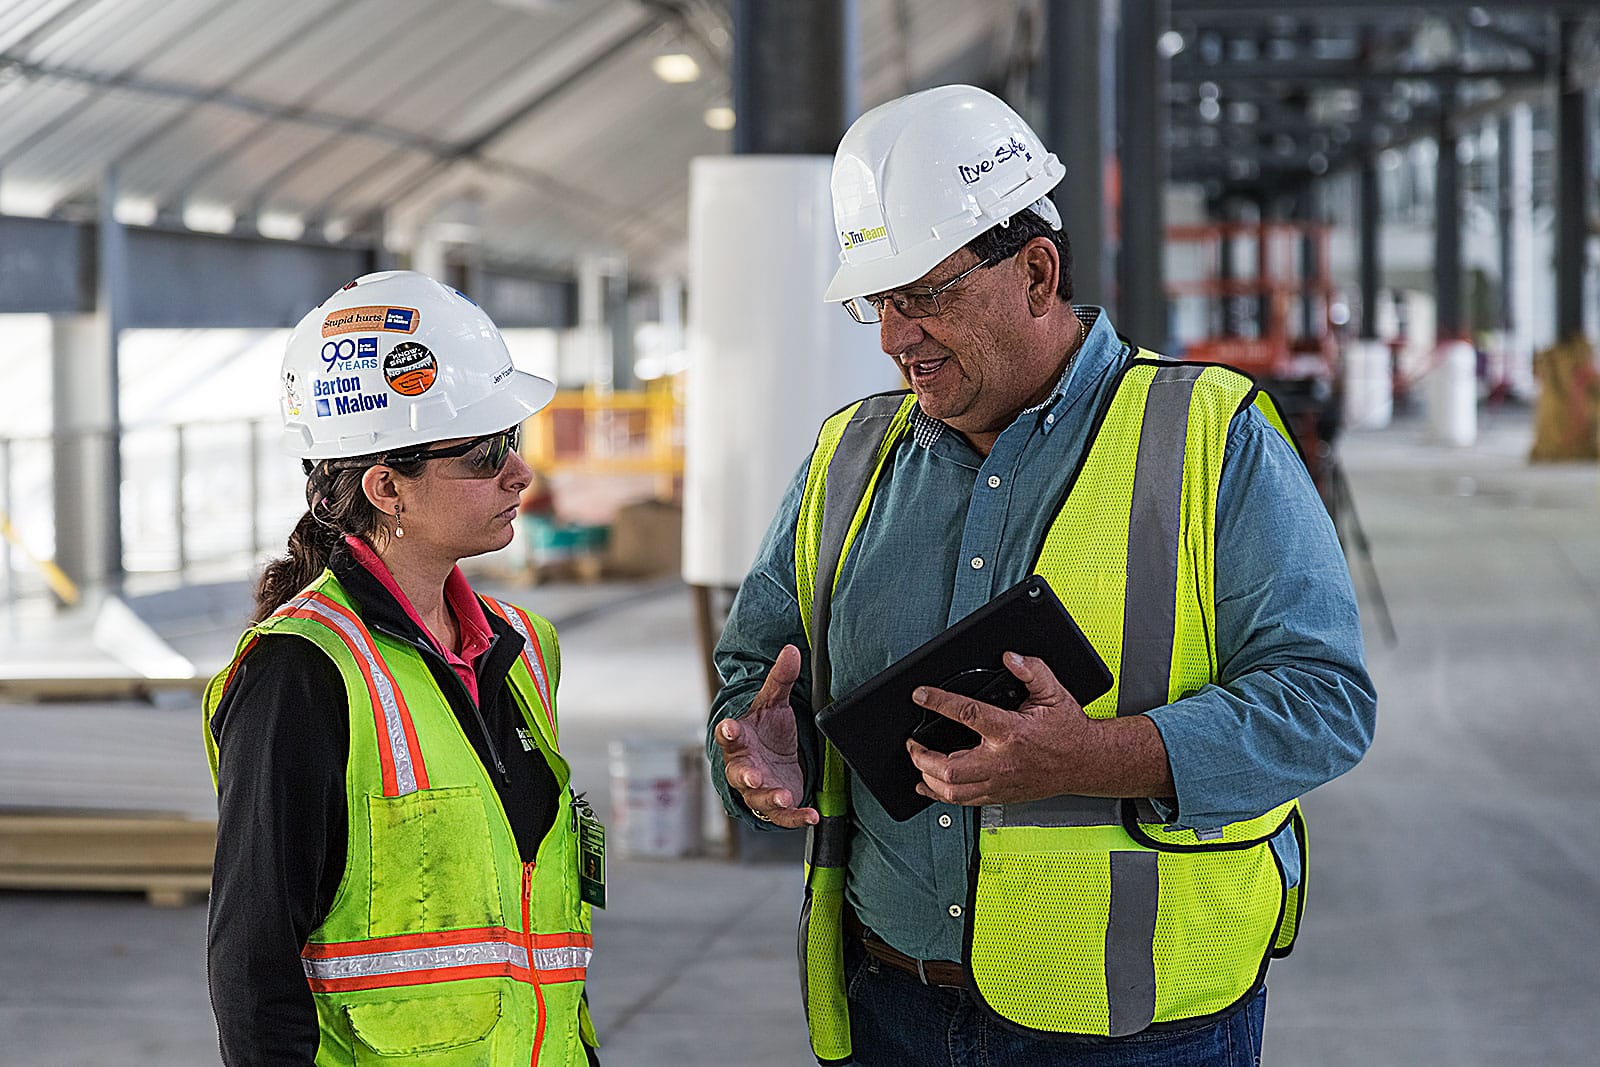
[
  {"x": 720, "y": 118},
  {"x": 209, "y": 218},
  {"x": 675, "y": 68},
  {"x": 283, "y": 225},
  {"x": 136, "y": 211}
]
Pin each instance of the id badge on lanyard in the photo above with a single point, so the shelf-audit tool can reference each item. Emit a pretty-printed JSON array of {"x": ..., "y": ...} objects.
[{"x": 591, "y": 852}]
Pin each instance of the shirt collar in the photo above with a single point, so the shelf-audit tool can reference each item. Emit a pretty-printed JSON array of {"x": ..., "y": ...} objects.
[
  {"x": 474, "y": 625},
  {"x": 926, "y": 430}
]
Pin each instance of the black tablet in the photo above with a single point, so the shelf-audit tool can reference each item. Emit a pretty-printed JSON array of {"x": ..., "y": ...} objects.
[{"x": 870, "y": 724}]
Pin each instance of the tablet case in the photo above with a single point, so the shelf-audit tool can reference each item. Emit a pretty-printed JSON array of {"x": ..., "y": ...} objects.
[{"x": 870, "y": 724}]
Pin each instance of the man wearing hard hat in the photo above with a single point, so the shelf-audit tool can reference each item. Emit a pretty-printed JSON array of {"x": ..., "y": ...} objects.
[{"x": 1092, "y": 885}]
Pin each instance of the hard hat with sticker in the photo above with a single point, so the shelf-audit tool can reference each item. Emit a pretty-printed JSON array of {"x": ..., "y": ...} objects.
[
  {"x": 918, "y": 177},
  {"x": 394, "y": 360}
]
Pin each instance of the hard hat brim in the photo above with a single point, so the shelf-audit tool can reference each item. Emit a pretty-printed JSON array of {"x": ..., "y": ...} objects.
[
  {"x": 512, "y": 401},
  {"x": 881, "y": 275}
]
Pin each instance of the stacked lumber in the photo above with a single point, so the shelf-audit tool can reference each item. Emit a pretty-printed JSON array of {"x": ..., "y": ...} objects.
[{"x": 167, "y": 859}]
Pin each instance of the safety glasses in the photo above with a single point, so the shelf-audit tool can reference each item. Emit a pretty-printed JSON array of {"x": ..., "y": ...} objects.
[
  {"x": 482, "y": 457},
  {"x": 912, "y": 301}
]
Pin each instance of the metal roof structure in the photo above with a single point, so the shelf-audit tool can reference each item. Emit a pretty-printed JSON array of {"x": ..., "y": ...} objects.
[
  {"x": 538, "y": 124},
  {"x": 539, "y": 130}
]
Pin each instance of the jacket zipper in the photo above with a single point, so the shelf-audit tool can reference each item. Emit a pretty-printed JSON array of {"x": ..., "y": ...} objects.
[{"x": 533, "y": 966}]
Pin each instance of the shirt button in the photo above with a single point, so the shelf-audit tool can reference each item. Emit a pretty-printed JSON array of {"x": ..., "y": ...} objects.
[
  {"x": 1049, "y": 420},
  {"x": 955, "y": 911},
  {"x": 977, "y": 563},
  {"x": 944, "y": 820},
  {"x": 994, "y": 481}
]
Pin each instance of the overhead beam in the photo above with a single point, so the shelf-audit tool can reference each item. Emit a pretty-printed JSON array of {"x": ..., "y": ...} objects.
[
  {"x": 179, "y": 279},
  {"x": 1401, "y": 11},
  {"x": 1344, "y": 73}
]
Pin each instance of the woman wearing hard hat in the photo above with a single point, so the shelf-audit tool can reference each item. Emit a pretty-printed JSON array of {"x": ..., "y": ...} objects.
[{"x": 401, "y": 867}]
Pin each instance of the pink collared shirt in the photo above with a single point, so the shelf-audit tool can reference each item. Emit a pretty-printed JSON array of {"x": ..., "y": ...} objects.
[{"x": 472, "y": 624}]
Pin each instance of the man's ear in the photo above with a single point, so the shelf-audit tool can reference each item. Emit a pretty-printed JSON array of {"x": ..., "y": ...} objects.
[
  {"x": 379, "y": 484},
  {"x": 1042, "y": 263}
]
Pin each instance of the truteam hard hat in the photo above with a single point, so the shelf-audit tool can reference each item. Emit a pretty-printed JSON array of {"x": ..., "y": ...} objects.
[
  {"x": 394, "y": 360},
  {"x": 918, "y": 177}
]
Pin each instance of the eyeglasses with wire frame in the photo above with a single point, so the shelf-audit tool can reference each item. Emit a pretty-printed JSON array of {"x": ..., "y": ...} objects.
[
  {"x": 485, "y": 456},
  {"x": 912, "y": 301}
]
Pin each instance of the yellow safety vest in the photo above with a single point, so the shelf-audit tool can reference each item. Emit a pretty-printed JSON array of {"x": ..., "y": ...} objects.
[
  {"x": 441, "y": 942},
  {"x": 1085, "y": 915}
]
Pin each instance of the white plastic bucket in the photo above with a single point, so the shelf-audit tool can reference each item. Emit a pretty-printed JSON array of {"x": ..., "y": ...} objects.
[
  {"x": 1368, "y": 385},
  {"x": 1453, "y": 395},
  {"x": 655, "y": 798}
]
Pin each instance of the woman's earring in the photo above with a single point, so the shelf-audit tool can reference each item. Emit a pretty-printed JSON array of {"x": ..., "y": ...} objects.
[{"x": 399, "y": 531}]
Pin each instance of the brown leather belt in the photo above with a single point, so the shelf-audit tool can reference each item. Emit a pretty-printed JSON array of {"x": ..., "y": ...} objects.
[{"x": 930, "y": 972}]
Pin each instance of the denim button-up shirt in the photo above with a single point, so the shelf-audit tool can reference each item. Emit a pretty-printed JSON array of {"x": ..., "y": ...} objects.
[{"x": 949, "y": 529}]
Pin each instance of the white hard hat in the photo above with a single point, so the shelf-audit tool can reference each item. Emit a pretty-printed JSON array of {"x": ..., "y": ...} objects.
[
  {"x": 918, "y": 177},
  {"x": 396, "y": 359}
]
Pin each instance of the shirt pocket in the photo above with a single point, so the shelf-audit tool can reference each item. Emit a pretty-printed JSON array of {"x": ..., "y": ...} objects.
[{"x": 432, "y": 863}]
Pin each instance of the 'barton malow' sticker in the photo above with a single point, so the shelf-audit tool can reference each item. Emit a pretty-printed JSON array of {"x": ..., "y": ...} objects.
[{"x": 410, "y": 369}]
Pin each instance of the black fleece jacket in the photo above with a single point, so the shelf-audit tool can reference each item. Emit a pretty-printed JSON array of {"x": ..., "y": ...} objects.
[{"x": 283, "y": 732}]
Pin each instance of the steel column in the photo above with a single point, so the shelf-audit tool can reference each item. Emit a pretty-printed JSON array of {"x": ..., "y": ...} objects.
[
  {"x": 86, "y": 420},
  {"x": 1371, "y": 265},
  {"x": 1572, "y": 177},
  {"x": 1142, "y": 149},
  {"x": 1451, "y": 324},
  {"x": 1227, "y": 270},
  {"x": 794, "y": 75},
  {"x": 1080, "y": 95},
  {"x": 1309, "y": 266}
]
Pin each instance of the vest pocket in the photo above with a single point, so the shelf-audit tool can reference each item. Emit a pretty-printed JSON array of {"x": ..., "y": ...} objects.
[
  {"x": 1079, "y": 930},
  {"x": 431, "y": 866},
  {"x": 439, "y": 1031}
]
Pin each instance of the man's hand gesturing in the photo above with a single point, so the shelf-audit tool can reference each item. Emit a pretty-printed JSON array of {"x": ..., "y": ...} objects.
[{"x": 760, "y": 749}]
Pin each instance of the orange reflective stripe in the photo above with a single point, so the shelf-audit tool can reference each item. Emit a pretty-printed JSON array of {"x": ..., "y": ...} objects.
[
  {"x": 519, "y": 621},
  {"x": 398, "y": 750},
  {"x": 452, "y": 955}
]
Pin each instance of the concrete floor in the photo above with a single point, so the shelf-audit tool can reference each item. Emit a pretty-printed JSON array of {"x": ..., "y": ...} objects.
[{"x": 1454, "y": 894}]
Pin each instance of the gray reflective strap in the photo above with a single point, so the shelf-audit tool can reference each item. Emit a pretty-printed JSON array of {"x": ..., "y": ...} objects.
[
  {"x": 854, "y": 459},
  {"x": 1130, "y": 942},
  {"x": 1150, "y": 600},
  {"x": 1055, "y": 811}
]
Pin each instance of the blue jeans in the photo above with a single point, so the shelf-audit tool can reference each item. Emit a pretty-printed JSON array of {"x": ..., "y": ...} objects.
[{"x": 896, "y": 1020}]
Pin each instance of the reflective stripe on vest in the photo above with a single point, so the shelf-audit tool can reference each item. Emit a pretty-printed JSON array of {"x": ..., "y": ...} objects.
[
  {"x": 851, "y": 451},
  {"x": 455, "y": 955},
  {"x": 530, "y": 644},
  {"x": 401, "y": 757}
]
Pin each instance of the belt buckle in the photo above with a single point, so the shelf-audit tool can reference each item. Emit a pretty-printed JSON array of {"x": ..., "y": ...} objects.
[{"x": 922, "y": 972}]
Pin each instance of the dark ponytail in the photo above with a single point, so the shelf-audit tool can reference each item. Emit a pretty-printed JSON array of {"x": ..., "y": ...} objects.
[{"x": 336, "y": 505}]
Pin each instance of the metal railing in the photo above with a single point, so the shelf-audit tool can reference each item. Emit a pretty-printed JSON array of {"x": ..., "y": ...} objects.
[
  {"x": 210, "y": 498},
  {"x": 199, "y": 499}
]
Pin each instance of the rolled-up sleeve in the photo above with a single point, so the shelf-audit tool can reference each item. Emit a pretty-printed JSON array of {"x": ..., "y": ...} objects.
[{"x": 1294, "y": 706}]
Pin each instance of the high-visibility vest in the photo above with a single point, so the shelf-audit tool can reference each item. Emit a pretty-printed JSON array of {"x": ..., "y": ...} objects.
[
  {"x": 441, "y": 940},
  {"x": 1084, "y": 915}
]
